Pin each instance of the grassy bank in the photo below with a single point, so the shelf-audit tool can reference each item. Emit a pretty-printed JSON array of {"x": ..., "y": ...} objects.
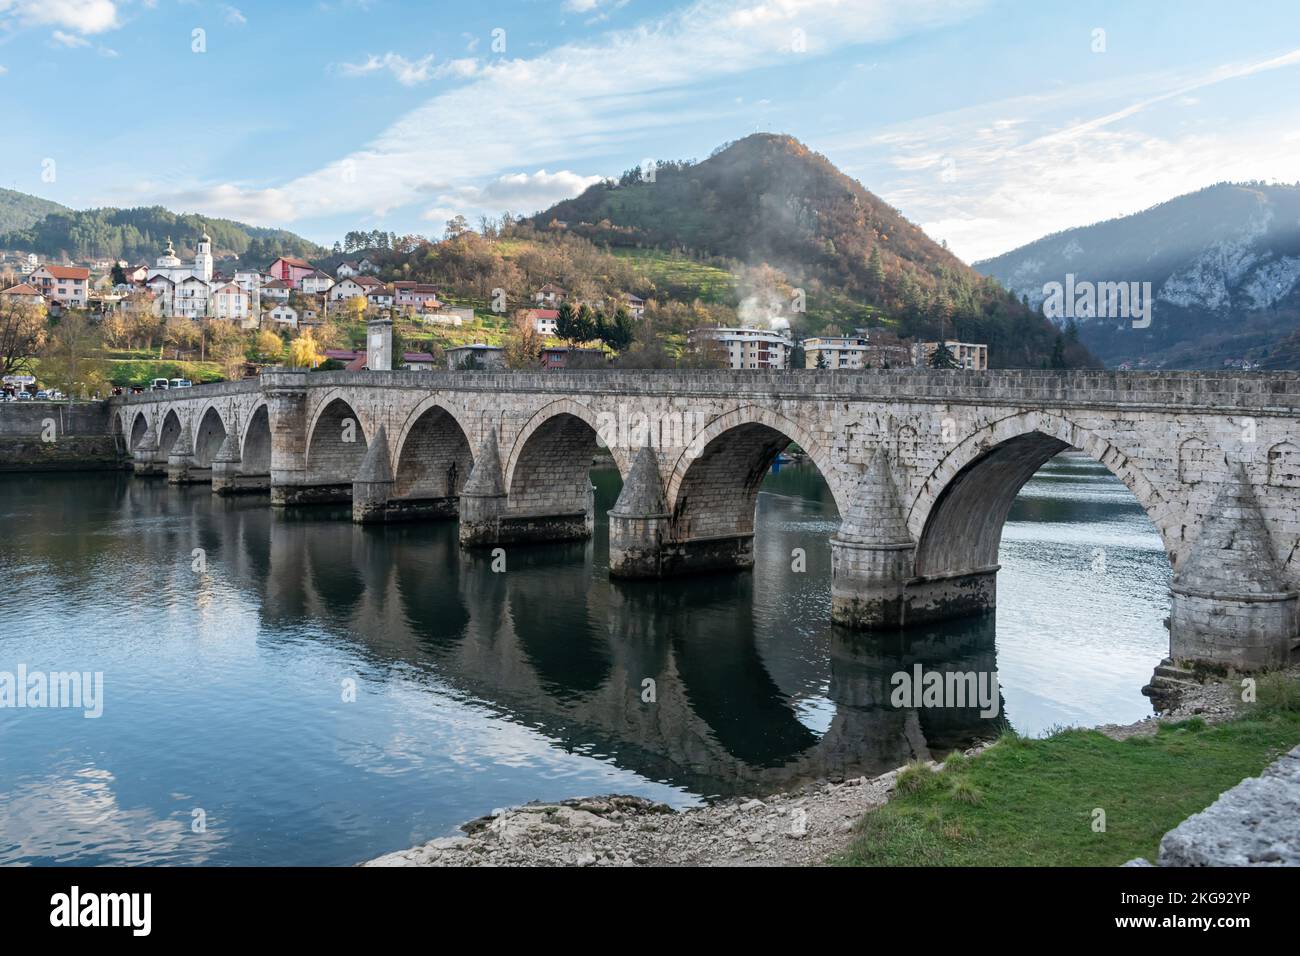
[
  {"x": 138, "y": 371},
  {"x": 1029, "y": 802}
]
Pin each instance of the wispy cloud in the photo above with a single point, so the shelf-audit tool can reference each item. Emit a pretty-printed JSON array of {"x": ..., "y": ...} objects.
[
  {"x": 992, "y": 177},
  {"x": 521, "y": 192},
  {"x": 234, "y": 16},
  {"x": 68, "y": 39},
  {"x": 407, "y": 72},
  {"x": 600, "y": 94}
]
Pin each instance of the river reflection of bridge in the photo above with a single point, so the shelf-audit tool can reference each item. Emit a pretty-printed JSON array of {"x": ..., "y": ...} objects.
[{"x": 554, "y": 645}]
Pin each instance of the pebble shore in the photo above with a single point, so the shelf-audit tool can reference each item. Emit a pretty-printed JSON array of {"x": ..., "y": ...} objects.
[{"x": 800, "y": 828}]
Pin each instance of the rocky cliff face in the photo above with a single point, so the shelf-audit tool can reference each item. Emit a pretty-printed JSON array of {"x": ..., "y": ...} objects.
[{"x": 1224, "y": 264}]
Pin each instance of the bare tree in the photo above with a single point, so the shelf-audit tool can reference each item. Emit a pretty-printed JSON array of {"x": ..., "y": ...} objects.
[{"x": 23, "y": 331}]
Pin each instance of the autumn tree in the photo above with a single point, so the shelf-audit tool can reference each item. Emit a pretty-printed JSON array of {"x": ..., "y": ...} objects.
[
  {"x": 23, "y": 330},
  {"x": 303, "y": 351},
  {"x": 180, "y": 333},
  {"x": 268, "y": 346},
  {"x": 523, "y": 347},
  {"x": 228, "y": 346},
  {"x": 71, "y": 359}
]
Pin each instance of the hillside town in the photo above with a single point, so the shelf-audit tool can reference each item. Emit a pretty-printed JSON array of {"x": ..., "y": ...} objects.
[{"x": 249, "y": 316}]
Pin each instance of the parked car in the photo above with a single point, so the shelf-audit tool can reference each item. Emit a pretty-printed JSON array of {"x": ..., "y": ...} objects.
[
  {"x": 160, "y": 384},
  {"x": 182, "y": 383}
]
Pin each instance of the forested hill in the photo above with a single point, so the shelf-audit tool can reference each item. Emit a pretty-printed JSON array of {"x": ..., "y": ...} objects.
[
  {"x": 141, "y": 234},
  {"x": 768, "y": 199},
  {"x": 20, "y": 210}
]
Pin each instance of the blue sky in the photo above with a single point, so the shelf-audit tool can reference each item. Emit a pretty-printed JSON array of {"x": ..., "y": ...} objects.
[{"x": 988, "y": 122}]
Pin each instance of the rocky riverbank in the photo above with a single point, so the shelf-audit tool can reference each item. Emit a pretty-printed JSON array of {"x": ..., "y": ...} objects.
[{"x": 801, "y": 828}]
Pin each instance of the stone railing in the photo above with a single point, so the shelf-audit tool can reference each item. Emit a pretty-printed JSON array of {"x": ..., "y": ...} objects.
[{"x": 1260, "y": 392}]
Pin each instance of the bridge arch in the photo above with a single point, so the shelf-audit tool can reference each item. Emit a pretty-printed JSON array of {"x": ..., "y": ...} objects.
[
  {"x": 713, "y": 487},
  {"x": 138, "y": 430},
  {"x": 209, "y": 433},
  {"x": 255, "y": 443},
  {"x": 549, "y": 465},
  {"x": 169, "y": 432},
  {"x": 336, "y": 443},
  {"x": 432, "y": 457},
  {"x": 548, "y": 419},
  {"x": 958, "y": 515}
]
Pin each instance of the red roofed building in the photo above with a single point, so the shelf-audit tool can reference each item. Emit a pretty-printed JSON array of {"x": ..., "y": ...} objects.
[
  {"x": 291, "y": 270},
  {"x": 68, "y": 285},
  {"x": 544, "y": 321},
  {"x": 24, "y": 293}
]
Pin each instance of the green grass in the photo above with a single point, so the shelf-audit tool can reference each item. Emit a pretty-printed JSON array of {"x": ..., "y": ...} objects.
[
  {"x": 1027, "y": 802},
  {"x": 138, "y": 371},
  {"x": 683, "y": 278}
]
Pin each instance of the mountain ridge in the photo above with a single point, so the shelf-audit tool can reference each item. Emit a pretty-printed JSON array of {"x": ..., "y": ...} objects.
[
  {"x": 19, "y": 210},
  {"x": 769, "y": 200},
  {"x": 140, "y": 233},
  {"x": 1223, "y": 262}
]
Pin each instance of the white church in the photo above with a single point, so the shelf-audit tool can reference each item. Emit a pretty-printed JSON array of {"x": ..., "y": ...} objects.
[{"x": 189, "y": 291}]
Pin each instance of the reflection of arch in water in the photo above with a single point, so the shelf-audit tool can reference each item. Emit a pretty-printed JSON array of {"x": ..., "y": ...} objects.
[
  {"x": 337, "y": 579},
  {"x": 426, "y": 562},
  {"x": 565, "y": 643}
]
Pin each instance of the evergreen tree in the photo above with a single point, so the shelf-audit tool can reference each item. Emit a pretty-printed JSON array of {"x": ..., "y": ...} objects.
[
  {"x": 564, "y": 323},
  {"x": 876, "y": 268},
  {"x": 942, "y": 357},
  {"x": 1058, "y": 351}
]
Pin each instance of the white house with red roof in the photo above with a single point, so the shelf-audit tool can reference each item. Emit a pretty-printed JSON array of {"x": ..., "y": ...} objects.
[
  {"x": 277, "y": 290},
  {"x": 67, "y": 285},
  {"x": 550, "y": 296},
  {"x": 233, "y": 303}
]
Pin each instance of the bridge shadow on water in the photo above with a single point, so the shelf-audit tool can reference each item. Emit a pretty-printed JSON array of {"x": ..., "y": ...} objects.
[
  {"x": 718, "y": 683},
  {"x": 224, "y": 622}
]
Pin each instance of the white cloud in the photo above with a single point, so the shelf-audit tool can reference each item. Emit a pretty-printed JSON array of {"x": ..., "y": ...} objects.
[
  {"x": 247, "y": 205},
  {"x": 3, "y": 70},
  {"x": 234, "y": 15},
  {"x": 604, "y": 94},
  {"x": 65, "y": 39},
  {"x": 519, "y": 192},
  {"x": 407, "y": 72},
  {"x": 993, "y": 177},
  {"x": 80, "y": 16}
]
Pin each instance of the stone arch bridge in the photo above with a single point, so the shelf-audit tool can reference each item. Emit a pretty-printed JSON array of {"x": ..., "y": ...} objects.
[{"x": 923, "y": 466}]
